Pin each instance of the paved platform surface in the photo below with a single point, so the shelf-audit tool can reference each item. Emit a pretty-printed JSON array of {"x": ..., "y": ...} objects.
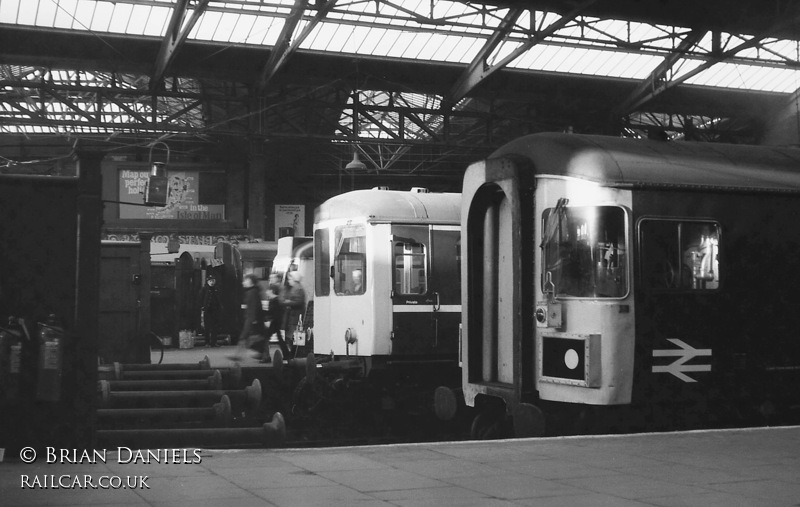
[
  {"x": 753, "y": 467},
  {"x": 218, "y": 357}
]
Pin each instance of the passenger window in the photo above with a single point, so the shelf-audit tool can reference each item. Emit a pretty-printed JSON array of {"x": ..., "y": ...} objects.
[
  {"x": 410, "y": 274},
  {"x": 679, "y": 254},
  {"x": 585, "y": 252},
  {"x": 350, "y": 277}
]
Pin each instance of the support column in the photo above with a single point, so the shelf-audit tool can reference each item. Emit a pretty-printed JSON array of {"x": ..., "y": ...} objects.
[
  {"x": 140, "y": 350},
  {"x": 256, "y": 188},
  {"x": 81, "y": 396}
]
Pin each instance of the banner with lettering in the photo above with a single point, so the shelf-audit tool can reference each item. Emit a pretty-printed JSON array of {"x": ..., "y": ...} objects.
[{"x": 182, "y": 198}]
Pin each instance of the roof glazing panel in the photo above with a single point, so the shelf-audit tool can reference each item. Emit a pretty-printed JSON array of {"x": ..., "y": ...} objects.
[
  {"x": 728, "y": 75},
  {"x": 440, "y": 31},
  {"x": 436, "y": 31},
  {"x": 587, "y": 61}
]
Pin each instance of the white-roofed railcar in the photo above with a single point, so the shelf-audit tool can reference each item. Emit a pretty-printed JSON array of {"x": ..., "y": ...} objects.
[
  {"x": 637, "y": 281},
  {"x": 387, "y": 286}
]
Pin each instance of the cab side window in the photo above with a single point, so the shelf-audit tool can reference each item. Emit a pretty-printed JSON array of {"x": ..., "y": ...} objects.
[{"x": 681, "y": 255}]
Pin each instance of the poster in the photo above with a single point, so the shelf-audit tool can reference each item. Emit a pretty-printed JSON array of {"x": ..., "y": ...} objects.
[
  {"x": 182, "y": 198},
  {"x": 290, "y": 220}
]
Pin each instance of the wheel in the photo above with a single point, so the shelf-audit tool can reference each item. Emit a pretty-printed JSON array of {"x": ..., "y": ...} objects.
[
  {"x": 304, "y": 397},
  {"x": 487, "y": 426},
  {"x": 310, "y": 394},
  {"x": 529, "y": 421},
  {"x": 445, "y": 404}
]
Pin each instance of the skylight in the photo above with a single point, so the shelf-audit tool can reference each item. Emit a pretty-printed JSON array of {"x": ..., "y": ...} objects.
[
  {"x": 389, "y": 123},
  {"x": 441, "y": 31},
  {"x": 85, "y": 111}
]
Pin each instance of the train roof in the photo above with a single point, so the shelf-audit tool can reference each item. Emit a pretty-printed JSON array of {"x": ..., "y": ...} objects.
[
  {"x": 379, "y": 205},
  {"x": 615, "y": 161}
]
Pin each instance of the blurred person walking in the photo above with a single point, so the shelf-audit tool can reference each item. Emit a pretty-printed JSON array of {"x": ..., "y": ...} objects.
[{"x": 253, "y": 329}]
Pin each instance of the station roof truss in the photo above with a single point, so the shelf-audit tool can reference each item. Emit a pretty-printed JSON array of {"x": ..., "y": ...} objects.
[{"x": 394, "y": 74}]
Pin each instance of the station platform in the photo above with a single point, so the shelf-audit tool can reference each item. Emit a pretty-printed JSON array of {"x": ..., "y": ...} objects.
[
  {"x": 218, "y": 357},
  {"x": 743, "y": 467}
]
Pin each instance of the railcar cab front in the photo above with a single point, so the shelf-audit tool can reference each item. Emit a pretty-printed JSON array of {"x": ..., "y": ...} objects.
[{"x": 547, "y": 306}]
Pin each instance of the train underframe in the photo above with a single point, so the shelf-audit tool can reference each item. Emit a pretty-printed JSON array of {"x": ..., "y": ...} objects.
[
  {"x": 771, "y": 402},
  {"x": 382, "y": 395}
]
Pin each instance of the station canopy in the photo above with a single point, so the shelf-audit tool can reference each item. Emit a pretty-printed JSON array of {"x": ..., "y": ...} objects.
[{"x": 398, "y": 71}]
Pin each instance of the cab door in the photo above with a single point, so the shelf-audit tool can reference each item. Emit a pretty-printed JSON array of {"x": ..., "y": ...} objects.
[{"x": 425, "y": 290}]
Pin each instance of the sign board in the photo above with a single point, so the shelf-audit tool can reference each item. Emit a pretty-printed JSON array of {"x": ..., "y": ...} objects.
[
  {"x": 183, "y": 202},
  {"x": 290, "y": 220}
]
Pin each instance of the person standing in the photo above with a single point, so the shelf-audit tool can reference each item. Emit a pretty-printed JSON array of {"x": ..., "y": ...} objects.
[
  {"x": 293, "y": 301},
  {"x": 275, "y": 315},
  {"x": 210, "y": 310}
]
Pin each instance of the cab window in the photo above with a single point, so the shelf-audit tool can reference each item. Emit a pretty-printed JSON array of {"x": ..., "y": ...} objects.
[
  {"x": 350, "y": 273},
  {"x": 584, "y": 251}
]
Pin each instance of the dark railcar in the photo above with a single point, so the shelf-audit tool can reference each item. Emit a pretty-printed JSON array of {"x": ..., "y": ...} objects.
[{"x": 652, "y": 282}]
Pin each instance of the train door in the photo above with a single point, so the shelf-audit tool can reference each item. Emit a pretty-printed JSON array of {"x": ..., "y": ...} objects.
[
  {"x": 425, "y": 290},
  {"x": 446, "y": 283}
]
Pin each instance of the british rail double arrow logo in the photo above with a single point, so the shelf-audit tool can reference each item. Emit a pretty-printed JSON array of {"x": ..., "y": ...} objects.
[{"x": 679, "y": 368}]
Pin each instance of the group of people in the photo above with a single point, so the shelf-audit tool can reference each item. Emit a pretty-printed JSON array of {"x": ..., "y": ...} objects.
[{"x": 284, "y": 304}]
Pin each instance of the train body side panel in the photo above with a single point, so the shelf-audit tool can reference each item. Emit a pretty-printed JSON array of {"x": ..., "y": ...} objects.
[{"x": 735, "y": 345}]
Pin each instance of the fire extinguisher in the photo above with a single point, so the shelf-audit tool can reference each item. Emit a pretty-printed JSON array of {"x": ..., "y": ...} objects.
[
  {"x": 51, "y": 352},
  {"x": 11, "y": 346}
]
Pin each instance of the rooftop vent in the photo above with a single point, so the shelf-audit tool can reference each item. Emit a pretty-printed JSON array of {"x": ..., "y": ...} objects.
[
  {"x": 380, "y": 188},
  {"x": 419, "y": 190}
]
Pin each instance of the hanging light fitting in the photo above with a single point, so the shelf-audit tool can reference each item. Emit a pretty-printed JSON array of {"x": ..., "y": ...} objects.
[{"x": 355, "y": 164}]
